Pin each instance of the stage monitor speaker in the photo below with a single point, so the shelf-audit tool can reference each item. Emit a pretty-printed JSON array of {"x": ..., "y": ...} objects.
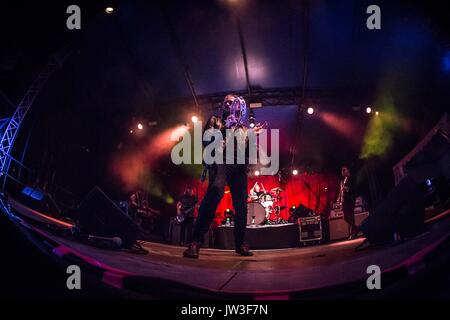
[
  {"x": 39, "y": 200},
  {"x": 100, "y": 216},
  {"x": 301, "y": 211},
  {"x": 401, "y": 212}
]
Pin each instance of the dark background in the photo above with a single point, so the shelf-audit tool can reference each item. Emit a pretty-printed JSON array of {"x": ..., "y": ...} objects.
[{"x": 126, "y": 68}]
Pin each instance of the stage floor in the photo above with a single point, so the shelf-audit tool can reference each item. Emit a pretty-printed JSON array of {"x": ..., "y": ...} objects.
[
  {"x": 274, "y": 273},
  {"x": 268, "y": 272}
]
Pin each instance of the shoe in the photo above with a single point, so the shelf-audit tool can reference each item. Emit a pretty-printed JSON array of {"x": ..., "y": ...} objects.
[
  {"x": 244, "y": 251},
  {"x": 364, "y": 245},
  {"x": 352, "y": 237},
  {"x": 192, "y": 251}
]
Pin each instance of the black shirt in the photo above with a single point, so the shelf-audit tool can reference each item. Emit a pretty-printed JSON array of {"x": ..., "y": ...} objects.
[
  {"x": 348, "y": 196},
  {"x": 258, "y": 193},
  {"x": 188, "y": 202}
]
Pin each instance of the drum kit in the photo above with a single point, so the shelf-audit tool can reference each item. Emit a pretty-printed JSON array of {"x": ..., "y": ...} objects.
[{"x": 265, "y": 208}]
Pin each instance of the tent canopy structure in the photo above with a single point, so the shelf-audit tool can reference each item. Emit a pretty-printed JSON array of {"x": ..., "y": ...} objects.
[
  {"x": 430, "y": 157},
  {"x": 150, "y": 52}
]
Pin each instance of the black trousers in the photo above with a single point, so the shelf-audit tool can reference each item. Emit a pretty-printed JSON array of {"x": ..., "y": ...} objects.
[
  {"x": 220, "y": 175},
  {"x": 186, "y": 230},
  {"x": 348, "y": 207}
]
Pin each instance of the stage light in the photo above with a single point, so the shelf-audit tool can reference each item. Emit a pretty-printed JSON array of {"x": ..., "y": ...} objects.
[
  {"x": 251, "y": 119},
  {"x": 255, "y": 105},
  {"x": 109, "y": 10},
  {"x": 368, "y": 110},
  {"x": 194, "y": 119},
  {"x": 140, "y": 126},
  {"x": 257, "y": 173},
  {"x": 446, "y": 61},
  {"x": 310, "y": 110},
  {"x": 131, "y": 131},
  {"x": 295, "y": 172},
  {"x": 377, "y": 113}
]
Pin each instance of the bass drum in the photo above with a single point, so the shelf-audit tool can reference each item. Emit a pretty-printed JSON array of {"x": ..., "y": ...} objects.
[{"x": 256, "y": 214}]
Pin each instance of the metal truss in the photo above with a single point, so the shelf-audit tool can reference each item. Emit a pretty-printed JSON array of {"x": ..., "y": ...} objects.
[
  {"x": 3, "y": 123},
  {"x": 13, "y": 126},
  {"x": 276, "y": 97}
]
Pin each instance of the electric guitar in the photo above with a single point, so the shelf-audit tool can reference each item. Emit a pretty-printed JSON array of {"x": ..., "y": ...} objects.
[{"x": 182, "y": 214}]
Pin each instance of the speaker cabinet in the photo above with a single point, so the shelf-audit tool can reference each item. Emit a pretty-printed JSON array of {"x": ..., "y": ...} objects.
[
  {"x": 401, "y": 212},
  {"x": 339, "y": 229},
  {"x": 100, "y": 216}
]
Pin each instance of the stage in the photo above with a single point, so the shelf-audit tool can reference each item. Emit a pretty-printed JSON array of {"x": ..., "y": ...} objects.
[
  {"x": 269, "y": 274},
  {"x": 278, "y": 236}
]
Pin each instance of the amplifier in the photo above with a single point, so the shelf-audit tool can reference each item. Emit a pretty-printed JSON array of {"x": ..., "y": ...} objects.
[
  {"x": 336, "y": 213},
  {"x": 360, "y": 217},
  {"x": 339, "y": 228},
  {"x": 310, "y": 229}
]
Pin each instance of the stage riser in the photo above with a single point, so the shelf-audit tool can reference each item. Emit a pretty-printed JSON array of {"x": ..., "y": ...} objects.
[
  {"x": 175, "y": 236},
  {"x": 270, "y": 237}
]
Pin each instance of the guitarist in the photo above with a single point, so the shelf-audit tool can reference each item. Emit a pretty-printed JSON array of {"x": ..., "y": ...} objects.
[{"x": 185, "y": 213}]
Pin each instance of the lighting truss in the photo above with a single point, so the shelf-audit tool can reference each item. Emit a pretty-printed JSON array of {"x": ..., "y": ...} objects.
[{"x": 13, "y": 126}]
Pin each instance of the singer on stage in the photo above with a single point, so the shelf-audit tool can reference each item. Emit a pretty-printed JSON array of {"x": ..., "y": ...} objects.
[
  {"x": 219, "y": 175},
  {"x": 347, "y": 200}
]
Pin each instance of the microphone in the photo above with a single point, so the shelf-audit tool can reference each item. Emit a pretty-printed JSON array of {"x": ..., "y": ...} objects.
[
  {"x": 101, "y": 242},
  {"x": 105, "y": 242}
]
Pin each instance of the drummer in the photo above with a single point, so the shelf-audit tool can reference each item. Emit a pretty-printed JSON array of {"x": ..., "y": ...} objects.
[{"x": 256, "y": 191}]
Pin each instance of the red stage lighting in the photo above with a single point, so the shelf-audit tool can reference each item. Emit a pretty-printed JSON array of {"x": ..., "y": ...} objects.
[{"x": 310, "y": 110}]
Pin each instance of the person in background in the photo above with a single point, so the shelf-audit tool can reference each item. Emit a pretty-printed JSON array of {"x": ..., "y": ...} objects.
[
  {"x": 347, "y": 200},
  {"x": 185, "y": 213},
  {"x": 257, "y": 190}
]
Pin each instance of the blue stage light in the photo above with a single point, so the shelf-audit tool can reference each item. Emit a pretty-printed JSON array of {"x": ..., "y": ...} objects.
[{"x": 446, "y": 62}]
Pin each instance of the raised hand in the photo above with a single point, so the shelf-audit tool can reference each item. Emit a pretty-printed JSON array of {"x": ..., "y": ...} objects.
[{"x": 259, "y": 128}]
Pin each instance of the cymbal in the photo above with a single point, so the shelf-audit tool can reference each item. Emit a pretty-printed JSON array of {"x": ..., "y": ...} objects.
[{"x": 277, "y": 189}]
